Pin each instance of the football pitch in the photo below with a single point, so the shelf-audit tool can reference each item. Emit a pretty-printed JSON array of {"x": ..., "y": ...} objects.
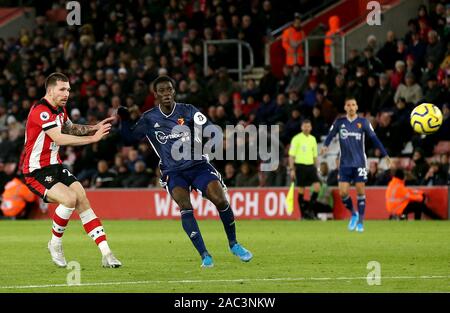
[{"x": 289, "y": 256}]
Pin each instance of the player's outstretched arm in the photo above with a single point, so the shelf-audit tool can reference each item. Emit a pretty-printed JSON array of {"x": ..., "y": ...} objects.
[
  {"x": 83, "y": 130},
  {"x": 131, "y": 133},
  {"x": 70, "y": 140}
]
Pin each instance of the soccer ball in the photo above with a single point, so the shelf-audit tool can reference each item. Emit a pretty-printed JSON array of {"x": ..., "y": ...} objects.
[{"x": 426, "y": 118}]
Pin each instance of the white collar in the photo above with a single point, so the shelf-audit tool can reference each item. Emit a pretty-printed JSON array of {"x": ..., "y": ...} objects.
[
  {"x": 352, "y": 119},
  {"x": 173, "y": 110}
]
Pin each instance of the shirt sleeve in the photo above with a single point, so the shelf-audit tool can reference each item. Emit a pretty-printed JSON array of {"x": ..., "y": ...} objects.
[
  {"x": 134, "y": 133},
  {"x": 42, "y": 117},
  {"x": 368, "y": 129},
  {"x": 333, "y": 131},
  {"x": 314, "y": 147},
  {"x": 294, "y": 147}
]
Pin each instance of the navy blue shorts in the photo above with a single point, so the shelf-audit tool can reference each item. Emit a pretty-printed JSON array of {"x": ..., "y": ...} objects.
[
  {"x": 197, "y": 177},
  {"x": 353, "y": 174}
]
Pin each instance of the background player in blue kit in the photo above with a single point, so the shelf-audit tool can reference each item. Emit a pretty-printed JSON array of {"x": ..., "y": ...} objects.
[
  {"x": 353, "y": 162},
  {"x": 161, "y": 126}
]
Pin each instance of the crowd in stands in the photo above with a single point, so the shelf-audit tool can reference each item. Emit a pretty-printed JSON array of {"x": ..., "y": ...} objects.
[{"x": 122, "y": 46}]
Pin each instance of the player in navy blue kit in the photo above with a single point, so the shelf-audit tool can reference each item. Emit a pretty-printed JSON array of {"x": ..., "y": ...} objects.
[
  {"x": 169, "y": 124},
  {"x": 353, "y": 162}
]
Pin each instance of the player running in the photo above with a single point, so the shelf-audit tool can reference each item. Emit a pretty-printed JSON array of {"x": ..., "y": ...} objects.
[
  {"x": 48, "y": 127},
  {"x": 353, "y": 162},
  {"x": 159, "y": 125}
]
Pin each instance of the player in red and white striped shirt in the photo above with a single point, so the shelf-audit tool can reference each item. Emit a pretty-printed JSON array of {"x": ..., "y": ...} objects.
[{"x": 49, "y": 127}]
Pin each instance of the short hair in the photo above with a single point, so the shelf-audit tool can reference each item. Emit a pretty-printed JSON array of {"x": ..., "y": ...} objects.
[
  {"x": 306, "y": 121},
  {"x": 162, "y": 79},
  {"x": 55, "y": 77},
  {"x": 349, "y": 98}
]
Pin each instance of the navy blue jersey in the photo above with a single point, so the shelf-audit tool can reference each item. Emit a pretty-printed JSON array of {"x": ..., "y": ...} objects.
[
  {"x": 164, "y": 131},
  {"x": 351, "y": 140}
]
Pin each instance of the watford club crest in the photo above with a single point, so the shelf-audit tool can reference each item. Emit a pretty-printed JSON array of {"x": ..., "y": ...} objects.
[
  {"x": 358, "y": 125},
  {"x": 181, "y": 121}
]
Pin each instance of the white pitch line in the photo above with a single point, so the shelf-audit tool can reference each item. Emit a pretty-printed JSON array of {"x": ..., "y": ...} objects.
[{"x": 148, "y": 282}]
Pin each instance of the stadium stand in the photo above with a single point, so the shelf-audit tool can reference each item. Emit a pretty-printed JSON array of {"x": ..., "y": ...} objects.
[{"x": 113, "y": 57}]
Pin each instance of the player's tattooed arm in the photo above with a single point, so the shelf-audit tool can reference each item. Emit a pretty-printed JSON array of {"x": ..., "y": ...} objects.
[{"x": 70, "y": 128}]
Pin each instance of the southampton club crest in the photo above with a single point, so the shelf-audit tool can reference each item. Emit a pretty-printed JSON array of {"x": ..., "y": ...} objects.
[{"x": 48, "y": 179}]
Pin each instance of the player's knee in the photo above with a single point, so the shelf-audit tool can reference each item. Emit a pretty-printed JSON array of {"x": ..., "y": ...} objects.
[
  {"x": 70, "y": 199},
  {"x": 343, "y": 194},
  {"x": 222, "y": 204}
]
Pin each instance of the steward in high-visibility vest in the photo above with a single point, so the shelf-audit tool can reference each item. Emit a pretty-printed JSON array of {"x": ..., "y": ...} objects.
[
  {"x": 292, "y": 42},
  {"x": 401, "y": 200},
  {"x": 334, "y": 25},
  {"x": 16, "y": 197}
]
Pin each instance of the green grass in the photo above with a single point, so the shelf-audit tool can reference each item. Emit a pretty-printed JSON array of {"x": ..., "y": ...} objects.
[{"x": 289, "y": 256}]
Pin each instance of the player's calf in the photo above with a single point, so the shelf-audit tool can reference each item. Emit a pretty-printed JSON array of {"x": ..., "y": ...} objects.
[{"x": 94, "y": 228}]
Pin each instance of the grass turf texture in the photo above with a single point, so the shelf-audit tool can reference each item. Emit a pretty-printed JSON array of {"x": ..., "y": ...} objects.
[{"x": 289, "y": 256}]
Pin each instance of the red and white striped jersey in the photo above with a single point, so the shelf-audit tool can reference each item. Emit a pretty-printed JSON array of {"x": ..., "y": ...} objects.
[{"x": 40, "y": 150}]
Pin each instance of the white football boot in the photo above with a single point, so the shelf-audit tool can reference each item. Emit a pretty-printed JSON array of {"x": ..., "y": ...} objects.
[
  {"x": 57, "y": 253},
  {"x": 109, "y": 260}
]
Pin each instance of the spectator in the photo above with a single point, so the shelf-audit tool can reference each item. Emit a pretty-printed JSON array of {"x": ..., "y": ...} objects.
[
  {"x": 371, "y": 62},
  {"x": 421, "y": 166},
  {"x": 372, "y": 174},
  {"x": 444, "y": 131},
  {"x": 398, "y": 75},
  {"x": 417, "y": 48},
  {"x": 434, "y": 176},
  {"x": 298, "y": 80},
  {"x": 411, "y": 91},
  {"x": 268, "y": 82},
  {"x": 412, "y": 67},
  {"x": 383, "y": 98},
  {"x": 104, "y": 178},
  {"x": 435, "y": 50},
  {"x": 387, "y": 53},
  {"x": 292, "y": 126},
  {"x": 432, "y": 91},
  {"x": 139, "y": 178},
  {"x": 280, "y": 112},
  {"x": 230, "y": 175},
  {"x": 247, "y": 176},
  {"x": 266, "y": 110}
]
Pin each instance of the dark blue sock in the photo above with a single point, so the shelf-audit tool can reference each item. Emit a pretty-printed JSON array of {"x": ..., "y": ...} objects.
[
  {"x": 361, "y": 207},
  {"x": 348, "y": 203},
  {"x": 190, "y": 226},
  {"x": 227, "y": 218}
]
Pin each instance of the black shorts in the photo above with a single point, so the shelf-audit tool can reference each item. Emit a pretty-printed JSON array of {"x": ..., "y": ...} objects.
[
  {"x": 306, "y": 175},
  {"x": 41, "y": 180}
]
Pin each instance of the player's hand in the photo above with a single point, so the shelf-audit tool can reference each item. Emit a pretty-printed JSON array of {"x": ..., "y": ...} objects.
[
  {"x": 323, "y": 150},
  {"x": 123, "y": 113},
  {"x": 101, "y": 132},
  {"x": 105, "y": 121}
]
